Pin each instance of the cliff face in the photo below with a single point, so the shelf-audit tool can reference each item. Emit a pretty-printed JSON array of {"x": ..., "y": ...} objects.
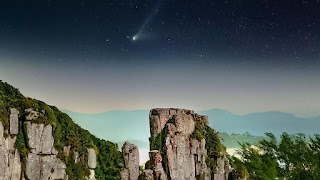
[
  {"x": 183, "y": 146},
  {"x": 38, "y": 142}
]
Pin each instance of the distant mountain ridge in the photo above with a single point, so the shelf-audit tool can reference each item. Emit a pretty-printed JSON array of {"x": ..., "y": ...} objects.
[
  {"x": 122, "y": 125},
  {"x": 258, "y": 123}
]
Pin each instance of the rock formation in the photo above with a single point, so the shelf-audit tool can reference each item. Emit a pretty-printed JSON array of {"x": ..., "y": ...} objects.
[
  {"x": 178, "y": 147},
  {"x": 130, "y": 154},
  {"x": 39, "y": 142},
  {"x": 42, "y": 162},
  {"x": 10, "y": 165}
]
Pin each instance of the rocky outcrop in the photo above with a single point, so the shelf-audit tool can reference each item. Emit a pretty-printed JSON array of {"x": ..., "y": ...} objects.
[
  {"x": 177, "y": 151},
  {"x": 10, "y": 165},
  {"x": 42, "y": 162},
  {"x": 130, "y": 154}
]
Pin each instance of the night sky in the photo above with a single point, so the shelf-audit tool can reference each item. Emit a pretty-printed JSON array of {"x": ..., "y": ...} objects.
[{"x": 94, "y": 56}]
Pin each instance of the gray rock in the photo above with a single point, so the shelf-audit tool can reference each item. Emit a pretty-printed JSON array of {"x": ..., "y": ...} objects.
[
  {"x": 185, "y": 157},
  {"x": 54, "y": 151},
  {"x": 40, "y": 138},
  {"x": 1, "y": 134},
  {"x": 33, "y": 167},
  {"x": 130, "y": 154},
  {"x": 14, "y": 121},
  {"x": 9, "y": 144},
  {"x": 15, "y": 167},
  {"x": 32, "y": 114},
  {"x": 10, "y": 165},
  {"x": 44, "y": 167},
  {"x": 34, "y": 132},
  {"x": 52, "y": 168},
  {"x": 92, "y": 159},
  {"x": 3, "y": 161},
  {"x": 46, "y": 140},
  {"x": 124, "y": 174}
]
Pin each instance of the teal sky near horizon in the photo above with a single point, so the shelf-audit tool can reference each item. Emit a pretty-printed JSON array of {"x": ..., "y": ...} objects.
[{"x": 101, "y": 55}]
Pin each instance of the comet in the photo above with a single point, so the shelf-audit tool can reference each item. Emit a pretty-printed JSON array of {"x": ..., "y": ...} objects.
[{"x": 140, "y": 35}]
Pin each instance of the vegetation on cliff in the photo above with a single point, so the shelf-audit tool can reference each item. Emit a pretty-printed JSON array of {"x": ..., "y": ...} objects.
[
  {"x": 65, "y": 133},
  {"x": 213, "y": 145},
  {"x": 291, "y": 157}
]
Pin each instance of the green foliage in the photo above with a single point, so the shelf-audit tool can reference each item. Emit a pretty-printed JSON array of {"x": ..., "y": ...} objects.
[
  {"x": 199, "y": 132},
  {"x": 214, "y": 148},
  {"x": 109, "y": 160},
  {"x": 155, "y": 112},
  {"x": 213, "y": 144},
  {"x": 293, "y": 157},
  {"x": 65, "y": 133},
  {"x": 159, "y": 143}
]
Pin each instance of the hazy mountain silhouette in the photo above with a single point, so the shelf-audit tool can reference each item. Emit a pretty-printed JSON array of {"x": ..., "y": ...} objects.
[
  {"x": 118, "y": 126},
  {"x": 261, "y": 122}
]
